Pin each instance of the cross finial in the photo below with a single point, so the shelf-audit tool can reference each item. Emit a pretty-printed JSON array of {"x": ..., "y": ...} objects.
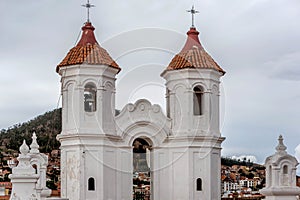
[
  {"x": 88, "y": 6},
  {"x": 193, "y": 12}
]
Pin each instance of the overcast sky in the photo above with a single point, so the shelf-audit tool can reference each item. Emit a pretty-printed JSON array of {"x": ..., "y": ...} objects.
[{"x": 257, "y": 42}]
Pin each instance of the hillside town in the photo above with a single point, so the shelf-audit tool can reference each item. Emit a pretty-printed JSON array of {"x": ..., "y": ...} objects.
[{"x": 243, "y": 179}]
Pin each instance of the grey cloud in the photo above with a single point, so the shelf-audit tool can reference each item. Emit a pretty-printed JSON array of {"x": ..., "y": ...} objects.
[{"x": 286, "y": 67}]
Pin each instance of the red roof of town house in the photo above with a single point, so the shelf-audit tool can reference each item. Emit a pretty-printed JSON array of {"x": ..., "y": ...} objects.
[
  {"x": 88, "y": 51},
  {"x": 193, "y": 55}
]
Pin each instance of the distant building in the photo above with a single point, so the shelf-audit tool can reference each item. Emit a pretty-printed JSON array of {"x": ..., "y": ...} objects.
[
  {"x": 5, "y": 188},
  {"x": 281, "y": 175}
]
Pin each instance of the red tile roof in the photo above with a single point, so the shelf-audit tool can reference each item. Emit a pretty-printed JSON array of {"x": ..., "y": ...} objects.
[
  {"x": 193, "y": 55},
  {"x": 88, "y": 51}
]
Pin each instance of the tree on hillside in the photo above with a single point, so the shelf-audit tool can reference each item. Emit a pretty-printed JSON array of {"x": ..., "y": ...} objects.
[{"x": 46, "y": 126}]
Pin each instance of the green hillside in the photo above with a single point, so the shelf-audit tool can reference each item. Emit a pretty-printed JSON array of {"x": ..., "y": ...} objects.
[{"x": 46, "y": 126}]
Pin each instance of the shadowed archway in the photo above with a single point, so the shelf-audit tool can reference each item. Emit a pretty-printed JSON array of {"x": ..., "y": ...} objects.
[{"x": 141, "y": 169}]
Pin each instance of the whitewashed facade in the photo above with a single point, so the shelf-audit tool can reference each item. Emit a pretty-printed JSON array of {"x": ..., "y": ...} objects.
[{"x": 96, "y": 145}]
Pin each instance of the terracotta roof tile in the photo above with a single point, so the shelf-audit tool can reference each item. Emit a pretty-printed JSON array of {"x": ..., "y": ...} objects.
[
  {"x": 88, "y": 51},
  {"x": 193, "y": 55}
]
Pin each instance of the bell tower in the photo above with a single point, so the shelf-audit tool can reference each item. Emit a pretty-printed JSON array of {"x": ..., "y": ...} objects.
[
  {"x": 193, "y": 80},
  {"x": 88, "y": 87},
  {"x": 192, "y": 85},
  {"x": 88, "y": 109}
]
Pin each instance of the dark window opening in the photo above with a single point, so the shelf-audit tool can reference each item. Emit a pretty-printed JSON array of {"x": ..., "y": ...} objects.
[
  {"x": 198, "y": 101},
  {"x": 90, "y": 94},
  {"x": 285, "y": 169},
  {"x": 35, "y": 168},
  {"x": 168, "y": 102},
  {"x": 91, "y": 184},
  {"x": 199, "y": 184}
]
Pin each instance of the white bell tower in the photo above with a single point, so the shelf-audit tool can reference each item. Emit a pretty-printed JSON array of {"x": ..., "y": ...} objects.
[
  {"x": 88, "y": 126},
  {"x": 192, "y": 84},
  {"x": 88, "y": 87}
]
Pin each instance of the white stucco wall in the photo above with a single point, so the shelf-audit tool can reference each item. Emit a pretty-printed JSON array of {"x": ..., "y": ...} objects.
[{"x": 184, "y": 146}]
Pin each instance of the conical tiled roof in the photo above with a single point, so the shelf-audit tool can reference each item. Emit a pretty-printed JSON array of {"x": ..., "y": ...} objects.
[
  {"x": 88, "y": 51},
  {"x": 193, "y": 55}
]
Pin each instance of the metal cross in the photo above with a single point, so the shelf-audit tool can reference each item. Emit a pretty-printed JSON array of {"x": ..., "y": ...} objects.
[
  {"x": 88, "y": 6},
  {"x": 193, "y": 12}
]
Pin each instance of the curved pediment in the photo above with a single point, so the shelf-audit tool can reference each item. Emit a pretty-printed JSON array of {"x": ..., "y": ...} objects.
[
  {"x": 142, "y": 119},
  {"x": 277, "y": 160}
]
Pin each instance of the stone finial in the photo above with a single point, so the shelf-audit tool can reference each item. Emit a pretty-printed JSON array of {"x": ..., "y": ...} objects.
[
  {"x": 24, "y": 149},
  {"x": 280, "y": 147},
  {"x": 34, "y": 145}
]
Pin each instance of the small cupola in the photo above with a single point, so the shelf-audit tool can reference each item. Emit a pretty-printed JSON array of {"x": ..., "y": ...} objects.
[
  {"x": 88, "y": 51},
  {"x": 281, "y": 174},
  {"x": 193, "y": 55}
]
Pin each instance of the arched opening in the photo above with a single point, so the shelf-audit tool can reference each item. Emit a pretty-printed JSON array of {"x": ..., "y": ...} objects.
[
  {"x": 270, "y": 176},
  {"x": 90, "y": 95},
  {"x": 35, "y": 168},
  {"x": 91, "y": 184},
  {"x": 141, "y": 169},
  {"x": 168, "y": 102},
  {"x": 198, "y": 100},
  {"x": 285, "y": 176},
  {"x": 285, "y": 169},
  {"x": 199, "y": 184}
]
